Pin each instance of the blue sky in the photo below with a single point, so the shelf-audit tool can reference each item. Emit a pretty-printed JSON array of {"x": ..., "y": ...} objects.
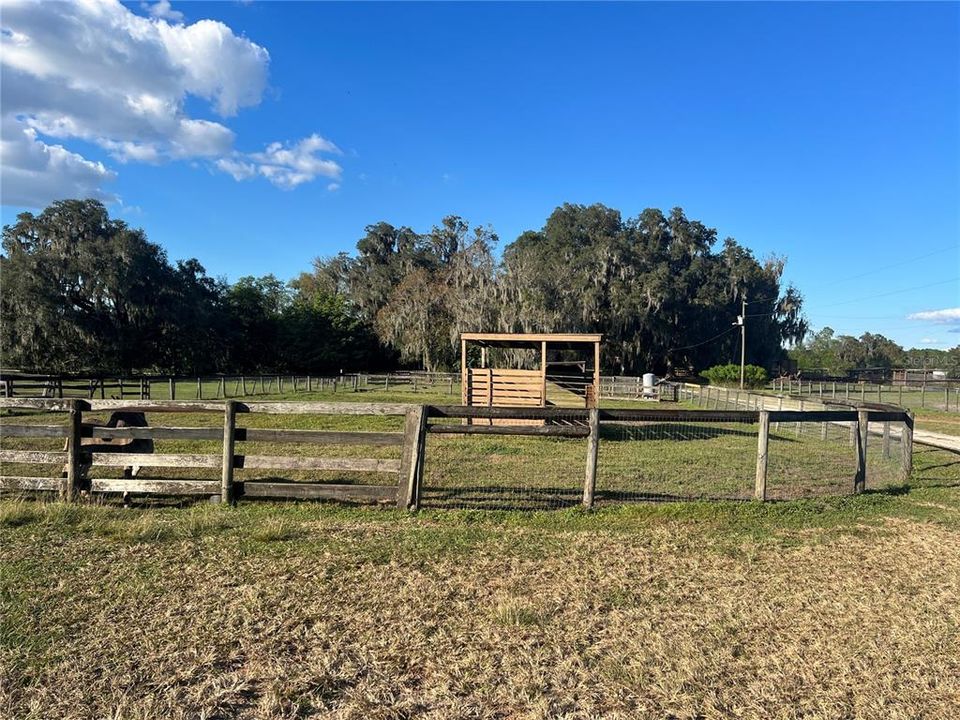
[{"x": 827, "y": 133}]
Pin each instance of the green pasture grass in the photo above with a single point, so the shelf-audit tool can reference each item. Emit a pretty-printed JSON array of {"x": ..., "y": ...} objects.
[{"x": 269, "y": 610}]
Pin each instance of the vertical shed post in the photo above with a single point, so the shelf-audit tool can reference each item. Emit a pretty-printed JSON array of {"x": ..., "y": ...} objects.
[
  {"x": 463, "y": 373},
  {"x": 73, "y": 453},
  {"x": 763, "y": 440},
  {"x": 543, "y": 375},
  {"x": 906, "y": 447},
  {"x": 593, "y": 446},
  {"x": 863, "y": 423},
  {"x": 596, "y": 374},
  {"x": 229, "y": 435}
]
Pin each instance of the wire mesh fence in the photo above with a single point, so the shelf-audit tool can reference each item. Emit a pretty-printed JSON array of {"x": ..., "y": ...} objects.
[
  {"x": 675, "y": 460},
  {"x": 480, "y": 463}
]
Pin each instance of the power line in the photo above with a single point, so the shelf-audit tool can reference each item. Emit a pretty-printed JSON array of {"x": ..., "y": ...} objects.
[
  {"x": 715, "y": 337},
  {"x": 870, "y": 272},
  {"x": 894, "y": 292}
]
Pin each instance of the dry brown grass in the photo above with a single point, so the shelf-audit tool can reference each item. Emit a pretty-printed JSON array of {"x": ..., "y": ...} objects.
[{"x": 293, "y": 611}]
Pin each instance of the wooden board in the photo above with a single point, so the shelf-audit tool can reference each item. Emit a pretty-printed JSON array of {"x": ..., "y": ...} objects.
[
  {"x": 17, "y": 482},
  {"x": 159, "y": 487},
  {"x": 33, "y": 456},
  {"x": 269, "y": 462},
  {"x": 319, "y": 491},
  {"x": 33, "y": 431}
]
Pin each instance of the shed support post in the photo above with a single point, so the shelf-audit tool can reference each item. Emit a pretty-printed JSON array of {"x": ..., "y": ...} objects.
[{"x": 543, "y": 375}]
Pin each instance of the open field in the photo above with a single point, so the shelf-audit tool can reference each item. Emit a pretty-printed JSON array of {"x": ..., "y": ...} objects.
[
  {"x": 847, "y": 607},
  {"x": 843, "y": 606}
]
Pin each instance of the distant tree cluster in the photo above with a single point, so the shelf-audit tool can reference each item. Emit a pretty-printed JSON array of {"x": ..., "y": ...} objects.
[
  {"x": 654, "y": 285},
  {"x": 839, "y": 354},
  {"x": 82, "y": 292}
]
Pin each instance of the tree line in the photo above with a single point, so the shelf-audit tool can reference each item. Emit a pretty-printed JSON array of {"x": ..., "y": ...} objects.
[
  {"x": 825, "y": 351},
  {"x": 83, "y": 292}
]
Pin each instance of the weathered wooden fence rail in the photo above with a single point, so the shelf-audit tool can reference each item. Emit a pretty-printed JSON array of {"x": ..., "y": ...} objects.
[{"x": 79, "y": 459}]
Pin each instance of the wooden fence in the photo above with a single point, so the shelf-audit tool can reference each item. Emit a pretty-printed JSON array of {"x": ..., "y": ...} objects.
[
  {"x": 936, "y": 395},
  {"x": 78, "y": 461},
  {"x": 404, "y": 491}
]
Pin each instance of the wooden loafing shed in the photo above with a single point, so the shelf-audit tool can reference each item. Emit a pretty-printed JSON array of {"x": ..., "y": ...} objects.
[{"x": 568, "y": 374}]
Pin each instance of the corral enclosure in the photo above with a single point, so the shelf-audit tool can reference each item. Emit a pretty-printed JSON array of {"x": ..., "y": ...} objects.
[{"x": 425, "y": 456}]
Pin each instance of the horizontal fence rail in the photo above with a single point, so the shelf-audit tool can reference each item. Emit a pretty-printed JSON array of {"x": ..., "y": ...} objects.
[{"x": 91, "y": 448}]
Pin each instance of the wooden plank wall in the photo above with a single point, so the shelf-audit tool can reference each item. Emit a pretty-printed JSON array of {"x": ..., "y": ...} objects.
[{"x": 497, "y": 387}]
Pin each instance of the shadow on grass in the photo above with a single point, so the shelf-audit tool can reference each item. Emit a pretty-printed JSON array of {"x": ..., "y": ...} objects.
[
  {"x": 502, "y": 497},
  {"x": 667, "y": 431}
]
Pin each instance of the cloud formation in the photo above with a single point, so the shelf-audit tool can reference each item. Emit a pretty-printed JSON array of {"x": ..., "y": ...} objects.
[
  {"x": 99, "y": 73},
  {"x": 946, "y": 316}
]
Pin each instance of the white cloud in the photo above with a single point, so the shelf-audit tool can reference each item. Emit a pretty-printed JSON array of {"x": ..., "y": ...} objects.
[
  {"x": 163, "y": 10},
  {"x": 289, "y": 166},
  {"x": 31, "y": 168},
  {"x": 96, "y": 71},
  {"x": 237, "y": 168},
  {"x": 945, "y": 316}
]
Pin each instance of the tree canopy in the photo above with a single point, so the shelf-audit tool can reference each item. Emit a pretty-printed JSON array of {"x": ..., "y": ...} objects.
[{"x": 84, "y": 292}]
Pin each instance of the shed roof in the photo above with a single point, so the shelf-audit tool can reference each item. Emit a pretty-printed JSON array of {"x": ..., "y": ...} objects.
[{"x": 528, "y": 339}]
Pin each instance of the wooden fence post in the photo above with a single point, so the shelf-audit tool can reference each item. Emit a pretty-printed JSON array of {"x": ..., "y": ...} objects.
[
  {"x": 886, "y": 438},
  {"x": 593, "y": 446},
  {"x": 70, "y": 483},
  {"x": 173, "y": 388},
  {"x": 906, "y": 447},
  {"x": 229, "y": 435},
  {"x": 860, "y": 480},
  {"x": 199, "y": 390},
  {"x": 410, "y": 477},
  {"x": 763, "y": 441}
]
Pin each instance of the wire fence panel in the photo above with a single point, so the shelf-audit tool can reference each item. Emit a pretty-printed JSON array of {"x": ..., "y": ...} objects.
[
  {"x": 811, "y": 459},
  {"x": 502, "y": 472},
  {"x": 666, "y": 461},
  {"x": 885, "y": 455}
]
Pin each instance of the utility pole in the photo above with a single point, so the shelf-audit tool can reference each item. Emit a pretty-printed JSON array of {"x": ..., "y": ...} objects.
[{"x": 743, "y": 336}]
